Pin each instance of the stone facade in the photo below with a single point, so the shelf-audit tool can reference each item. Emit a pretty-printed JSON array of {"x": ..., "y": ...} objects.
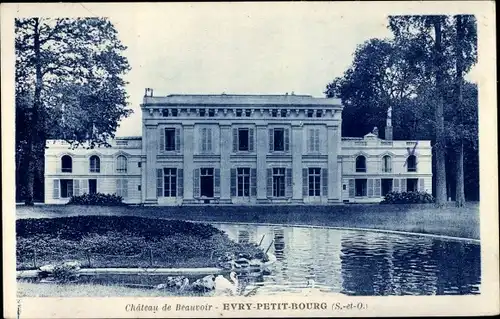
[{"x": 240, "y": 149}]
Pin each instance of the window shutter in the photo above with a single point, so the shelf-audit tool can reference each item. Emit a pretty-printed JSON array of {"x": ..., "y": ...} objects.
[
  {"x": 370, "y": 187},
  {"x": 253, "y": 182},
  {"x": 310, "y": 140},
  {"x": 233, "y": 182},
  {"x": 317, "y": 140},
  {"x": 250, "y": 140},
  {"x": 324, "y": 180},
  {"x": 76, "y": 187},
  {"x": 203, "y": 139},
  {"x": 177, "y": 139},
  {"x": 98, "y": 185},
  {"x": 180, "y": 182},
  {"x": 403, "y": 185},
  {"x": 271, "y": 140},
  {"x": 162, "y": 139},
  {"x": 216, "y": 182},
  {"x": 209, "y": 139},
  {"x": 287, "y": 139},
  {"x": 159, "y": 182},
  {"x": 55, "y": 192},
  {"x": 378, "y": 190},
  {"x": 235, "y": 139},
  {"x": 85, "y": 186},
  {"x": 196, "y": 182},
  {"x": 118, "y": 187},
  {"x": 421, "y": 185},
  {"x": 125, "y": 188},
  {"x": 395, "y": 187},
  {"x": 305, "y": 184},
  {"x": 288, "y": 180},
  {"x": 351, "y": 188},
  {"x": 70, "y": 188},
  {"x": 269, "y": 182}
]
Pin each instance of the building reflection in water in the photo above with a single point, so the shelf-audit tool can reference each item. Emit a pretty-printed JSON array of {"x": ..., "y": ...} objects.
[{"x": 364, "y": 263}]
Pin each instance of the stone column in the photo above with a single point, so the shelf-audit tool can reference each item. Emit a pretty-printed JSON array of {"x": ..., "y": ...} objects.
[
  {"x": 262, "y": 150},
  {"x": 188, "y": 150},
  {"x": 296, "y": 148},
  {"x": 226, "y": 147},
  {"x": 333, "y": 167},
  {"x": 151, "y": 150}
]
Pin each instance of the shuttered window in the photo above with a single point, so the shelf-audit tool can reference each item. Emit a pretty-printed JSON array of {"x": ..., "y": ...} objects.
[
  {"x": 253, "y": 182},
  {"x": 324, "y": 181},
  {"x": 243, "y": 182},
  {"x": 305, "y": 182},
  {"x": 55, "y": 189},
  {"x": 170, "y": 139},
  {"x": 95, "y": 164},
  {"x": 421, "y": 185},
  {"x": 180, "y": 182},
  {"x": 217, "y": 182},
  {"x": 314, "y": 182},
  {"x": 289, "y": 184},
  {"x": 352, "y": 188},
  {"x": 170, "y": 182},
  {"x": 121, "y": 164},
  {"x": 76, "y": 187},
  {"x": 233, "y": 182},
  {"x": 279, "y": 139},
  {"x": 206, "y": 140},
  {"x": 313, "y": 140},
  {"x": 196, "y": 182},
  {"x": 159, "y": 182},
  {"x": 378, "y": 188},
  {"x": 122, "y": 187}
]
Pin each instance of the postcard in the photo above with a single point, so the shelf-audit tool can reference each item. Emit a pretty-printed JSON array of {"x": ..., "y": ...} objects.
[{"x": 325, "y": 159}]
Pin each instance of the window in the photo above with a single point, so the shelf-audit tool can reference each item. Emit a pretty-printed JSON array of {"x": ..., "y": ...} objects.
[
  {"x": 279, "y": 143},
  {"x": 319, "y": 113},
  {"x": 66, "y": 164},
  {"x": 411, "y": 163},
  {"x": 313, "y": 140},
  {"x": 170, "y": 139},
  {"x": 248, "y": 113},
  {"x": 361, "y": 164},
  {"x": 283, "y": 113},
  {"x": 202, "y": 112},
  {"x": 207, "y": 182},
  {"x": 211, "y": 112},
  {"x": 361, "y": 188},
  {"x": 139, "y": 188},
  {"x": 122, "y": 188},
  {"x": 121, "y": 164},
  {"x": 139, "y": 164},
  {"x": 243, "y": 139},
  {"x": 314, "y": 181},
  {"x": 66, "y": 188},
  {"x": 278, "y": 182},
  {"x": 243, "y": 182},
  {"x": 386, "y": 164},
  {"x": 412, "y": 184},
  {"x": 274, "y": 113},
  {"x": 92, "y": 186},
  {"x": 386, "y": 186},
  {"x": 239, "y": 112},
  {"x": 170, "y": 182},
  {"x": 175, "y": 112},
  {"x": 95, "y": 164},
  {"x": 206, "y": 139},
  {"x": 310, "y": 113}
]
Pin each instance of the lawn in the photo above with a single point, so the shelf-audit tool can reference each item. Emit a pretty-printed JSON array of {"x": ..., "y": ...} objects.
[
  {"x": 420, "y": 218},
  {"x": 26, "y": 289},
  {"x": 123, "y": 241}
]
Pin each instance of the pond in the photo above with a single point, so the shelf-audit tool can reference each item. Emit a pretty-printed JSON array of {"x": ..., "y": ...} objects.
[{"x": 361, "y": 263}]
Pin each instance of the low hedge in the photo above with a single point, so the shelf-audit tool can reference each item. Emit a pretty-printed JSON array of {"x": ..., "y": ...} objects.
[
  {"x": 407, "y": 198},
  {"x": 113, "y": 241},
  {"x": 97, "y": 199}
]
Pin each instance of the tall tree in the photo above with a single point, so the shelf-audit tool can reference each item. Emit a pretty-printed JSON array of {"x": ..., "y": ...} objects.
[{"x": 61, "y": 60}]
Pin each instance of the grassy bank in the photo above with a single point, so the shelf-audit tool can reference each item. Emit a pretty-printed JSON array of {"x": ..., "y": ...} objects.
[
  {"x": 421, "y": 218},
  {"x": 123, "y": 241},
  {"x": 26, "y": 289}
]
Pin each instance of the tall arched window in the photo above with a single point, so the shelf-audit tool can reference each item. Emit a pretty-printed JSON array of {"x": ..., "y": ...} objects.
[
  {"x": 121, "y": 164},
  {"x": 361, "y": 164},
  {"x": 411, "y": 163},
  {"x": 386, "y": 164},
  {"x": 66, "y": 164},
  {"x": 95, "y": 164}
]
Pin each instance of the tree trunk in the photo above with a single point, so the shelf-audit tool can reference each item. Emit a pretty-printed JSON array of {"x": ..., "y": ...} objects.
[
  {"x": 440, "y": 138},
  {"x": 460, "y": 193},
  {"x": 33, "y": 130}
]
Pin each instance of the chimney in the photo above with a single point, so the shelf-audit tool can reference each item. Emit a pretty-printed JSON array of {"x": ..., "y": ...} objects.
[{"x": 388, "y": 125}]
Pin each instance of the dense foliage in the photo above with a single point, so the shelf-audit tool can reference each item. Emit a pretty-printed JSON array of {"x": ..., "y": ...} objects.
[
  {"x": 69, "y": 85},
  {"x": 97, "y": 199},
  {"x": 109, "y": 241},
  {"x": 407, "y": 198}
]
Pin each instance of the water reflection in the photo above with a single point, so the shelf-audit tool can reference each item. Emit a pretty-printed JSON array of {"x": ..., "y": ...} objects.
[{"x": 363, "y": 263}]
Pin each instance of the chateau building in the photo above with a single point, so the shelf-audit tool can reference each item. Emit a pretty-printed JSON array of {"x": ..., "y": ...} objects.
[{"x": 240, "y": 149}]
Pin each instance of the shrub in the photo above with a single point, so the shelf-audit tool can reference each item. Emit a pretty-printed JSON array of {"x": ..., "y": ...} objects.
[
  {"x": 407, "y": 198},
  {"x": 97, "y": 199}
]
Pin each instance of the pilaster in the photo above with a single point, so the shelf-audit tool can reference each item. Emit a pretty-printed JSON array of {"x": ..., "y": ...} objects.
[
  {"x": 151, "y": 150},
  {"x": 226, "y": 145},
  {"x": 296, "y": 147},
  {"x": 188, "y": 149},
  {"x": 333, "y": 142},
  {"x": 262, "y": 149}
]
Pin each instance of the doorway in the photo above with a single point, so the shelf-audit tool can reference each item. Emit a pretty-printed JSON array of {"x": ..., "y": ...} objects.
[
  {"x": 207, "y": 182},
  {"x": 386, "y": 186}
]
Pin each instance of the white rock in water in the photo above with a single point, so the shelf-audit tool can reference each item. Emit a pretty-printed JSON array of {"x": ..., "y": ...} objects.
[{"x": 47, "y": 268}]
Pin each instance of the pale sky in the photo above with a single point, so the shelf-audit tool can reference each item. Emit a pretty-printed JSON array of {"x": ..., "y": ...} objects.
[{"x": 236, "y": 48}]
